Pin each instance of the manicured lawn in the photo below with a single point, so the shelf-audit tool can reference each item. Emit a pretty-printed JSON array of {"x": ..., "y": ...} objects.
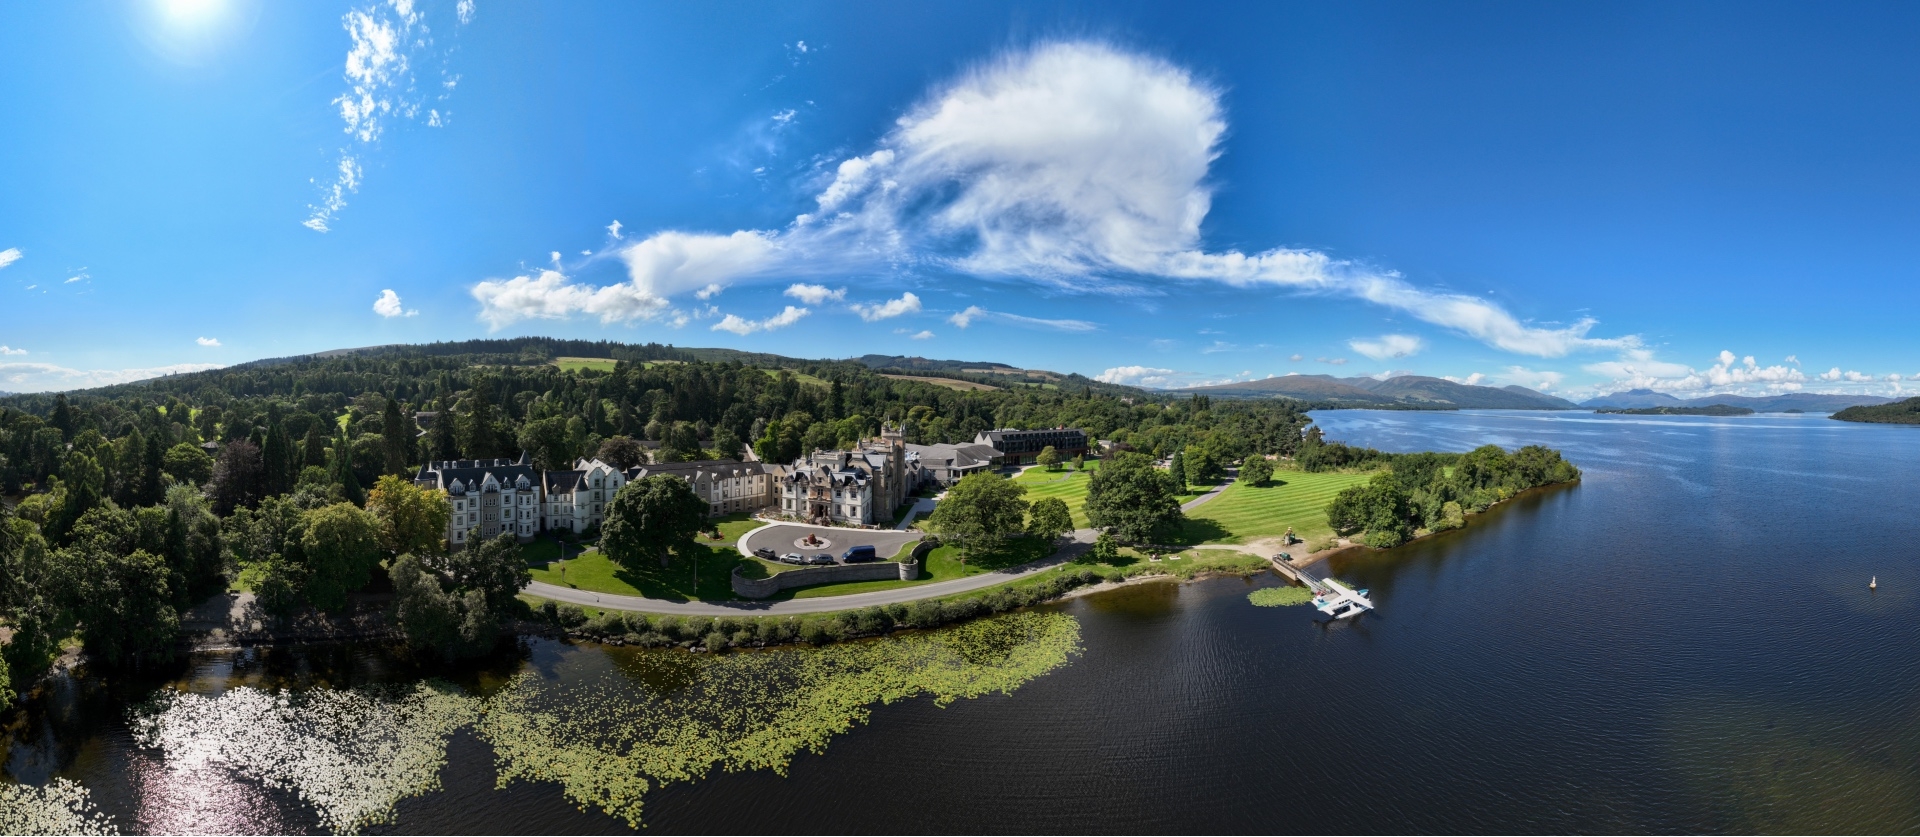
[
  {"x": 1070, "y": 486},
  {"x": 1292, "y": 498},
  {"x": 595, "y": 572}
]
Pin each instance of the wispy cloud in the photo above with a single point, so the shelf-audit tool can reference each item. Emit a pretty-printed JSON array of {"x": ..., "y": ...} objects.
[
  {"x": 1077, "y": 165},
  {"x": 9, "y": 256},
  {"x": 874, "y": 312},
  {"x": 9, "y": 350},
  {"x": 386, "y": 44},
  {"x": 388, "y": 305},
  {"x": 207, "y": 341},
  {"x": 43, "y": 377},
  {"x": 1388, "y": 346},
  {"x": 975, "y": 312},
  {"x": 744, "y": 327}
]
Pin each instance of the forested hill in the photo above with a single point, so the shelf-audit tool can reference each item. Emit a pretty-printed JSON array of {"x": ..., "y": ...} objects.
[
  {"x": 1899, "y": 412},
  {"x": 495, "y": 398}
]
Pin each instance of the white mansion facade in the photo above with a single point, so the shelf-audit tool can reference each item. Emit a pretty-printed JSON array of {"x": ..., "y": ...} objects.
[{"x": 859, "y": 487}]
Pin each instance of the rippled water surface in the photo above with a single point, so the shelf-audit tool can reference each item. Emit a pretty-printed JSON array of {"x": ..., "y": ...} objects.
[{"x": 1683, "y": 642}]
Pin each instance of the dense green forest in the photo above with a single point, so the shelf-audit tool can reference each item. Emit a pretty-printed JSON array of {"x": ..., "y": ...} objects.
[
  {"x": 127, "y": 504},
  {"x": 1899, "y": 412}
]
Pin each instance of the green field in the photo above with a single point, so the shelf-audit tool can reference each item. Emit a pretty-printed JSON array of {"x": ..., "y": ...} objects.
[
  {"x": 595, "y": 572},
  {"x": 577, "y": 364},
  {"x": 1244, "y": 513},
  {"x": 1071, "y": 486},
  {"x": 802, "y": 377}
]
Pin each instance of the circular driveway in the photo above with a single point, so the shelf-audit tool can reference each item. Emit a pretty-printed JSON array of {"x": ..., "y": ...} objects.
[{"x": 780, "y": 538}]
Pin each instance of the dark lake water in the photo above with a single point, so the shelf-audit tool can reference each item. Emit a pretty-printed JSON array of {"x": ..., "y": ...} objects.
[{"x": 1684, "y": 642}]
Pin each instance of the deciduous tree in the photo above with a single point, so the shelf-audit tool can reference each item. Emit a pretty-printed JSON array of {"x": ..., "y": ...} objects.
[
  {"x": 647, "y": 518},
  {"x": 1132, "y": 499},
  {"x": 411, "y": 519},
  {"x": 1049, "y": 518},
  {"x": 341, "y": 546},
  {"x": 980, "y": 512}
]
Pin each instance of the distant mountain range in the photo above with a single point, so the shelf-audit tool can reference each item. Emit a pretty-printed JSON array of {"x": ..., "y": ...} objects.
[
  {"x": 1404, "y": 391},
  {"x": 1805, "y": 402}
]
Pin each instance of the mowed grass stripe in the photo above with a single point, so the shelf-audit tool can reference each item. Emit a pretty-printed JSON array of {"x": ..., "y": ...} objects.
[
  {"x": 1293, "y": 499},
  {"x": 1070, "y": 486}
]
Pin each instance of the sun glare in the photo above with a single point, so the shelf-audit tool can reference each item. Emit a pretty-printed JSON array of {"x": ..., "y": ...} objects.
[{"x": 190, "y": 9}]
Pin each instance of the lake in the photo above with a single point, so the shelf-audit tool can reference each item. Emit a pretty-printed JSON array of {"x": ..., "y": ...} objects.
[{"x": 1683, "y": 642}]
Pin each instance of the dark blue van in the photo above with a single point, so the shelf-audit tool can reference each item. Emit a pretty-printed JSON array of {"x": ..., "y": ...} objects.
[{"x": 857, "y": 554}]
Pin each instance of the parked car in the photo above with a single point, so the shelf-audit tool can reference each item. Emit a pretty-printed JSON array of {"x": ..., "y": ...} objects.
[
  {"x": 820, "y": 558},
  {"x": 766, "y": 553},
  {"x": 856, "y": 554},
  {"x": 793, "y": 558}
]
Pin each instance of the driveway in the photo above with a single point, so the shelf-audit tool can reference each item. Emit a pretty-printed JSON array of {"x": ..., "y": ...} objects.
[
  {"x": 780, "y": 538},
  {"x": 1082, "y": 540}
]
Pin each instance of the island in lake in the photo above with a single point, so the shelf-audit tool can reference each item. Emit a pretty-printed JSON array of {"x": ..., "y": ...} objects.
[
  {"x": 1899, "y": 412},
  {"x": 1711, "y": 410}
]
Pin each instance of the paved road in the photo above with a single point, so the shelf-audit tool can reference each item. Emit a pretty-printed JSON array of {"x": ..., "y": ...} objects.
[
  {"x": 780, "y": 538},
  {"x": 1194, "y": 503},
  {"x": 1082, "y": 539},
  {"x": 921, "y": 506}
]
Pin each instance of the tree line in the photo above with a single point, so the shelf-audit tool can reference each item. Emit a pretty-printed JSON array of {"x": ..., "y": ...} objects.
[{"x": 1436, "y": 491}]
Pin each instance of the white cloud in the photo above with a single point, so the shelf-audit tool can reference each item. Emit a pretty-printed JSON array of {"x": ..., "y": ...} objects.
[
  {"x": 975, "y": 312},
  {"x": 1637, "y": 369},
  {"x": 744, "y": 327},
  {"x": 613, "y": 230},
  {"x": 784, "y": 117},
  {"x": 710, "y": 291},
  {"x": 1793, "y": 359},
  {"x": 1338, "y": 361},
  {"x": 1544, "y": 381},
  {"x": 874, "y": 312},
  {"x": 1472, "y": 380},
  {"x": 549, "y": 295},
  {"x": 923, "y": 335},
  {"x": 44, "y": 377},
  {"x": 9, "y": 256},
  {"x": 207, "y": 341},
  {"x": 1388, "y": 346},
  {"x": 1087, "y": 167},
  {"x": 1296, "y": 357},
  {"x": 388, "y": 305},
  {"x": 657, "y": 268},
  {"x": 386, "y": 43},
  {"x": 815, "y": 294},
  {"x": 1858, "y": 377},
  {"x": 78, "y": 277},
  {"x": 1136, "y": 376},
  {"x": 8, "y": 350},
  {"x": 554, "y": 257}
]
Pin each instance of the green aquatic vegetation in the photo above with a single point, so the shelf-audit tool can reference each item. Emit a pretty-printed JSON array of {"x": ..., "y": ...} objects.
[
  {"x": 608, "y": 742},
  {"x": 1280, "y": 596},
  {"x": 61, "y": 806},
  {"x": 352, "y": 754}
]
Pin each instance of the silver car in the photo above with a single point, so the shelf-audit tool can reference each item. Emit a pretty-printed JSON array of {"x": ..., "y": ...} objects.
[{"x": 793, "y": 558}]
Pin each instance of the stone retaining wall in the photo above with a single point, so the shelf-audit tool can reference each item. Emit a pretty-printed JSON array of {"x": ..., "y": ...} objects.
[{"x": 760, "y": 588}]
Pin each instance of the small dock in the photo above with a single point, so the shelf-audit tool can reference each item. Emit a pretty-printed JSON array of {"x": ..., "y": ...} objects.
[{"x": 1329, "y": 597}]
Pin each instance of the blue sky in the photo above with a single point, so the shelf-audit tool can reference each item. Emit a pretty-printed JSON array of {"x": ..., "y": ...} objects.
[{"x": 1580, "y": 198}]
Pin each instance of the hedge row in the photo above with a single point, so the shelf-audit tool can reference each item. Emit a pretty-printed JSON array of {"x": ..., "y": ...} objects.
[{"x": 720, "y": 633}]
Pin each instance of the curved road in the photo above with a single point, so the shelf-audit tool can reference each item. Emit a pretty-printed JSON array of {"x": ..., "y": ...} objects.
[{"x": 1082, "y": 539}]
